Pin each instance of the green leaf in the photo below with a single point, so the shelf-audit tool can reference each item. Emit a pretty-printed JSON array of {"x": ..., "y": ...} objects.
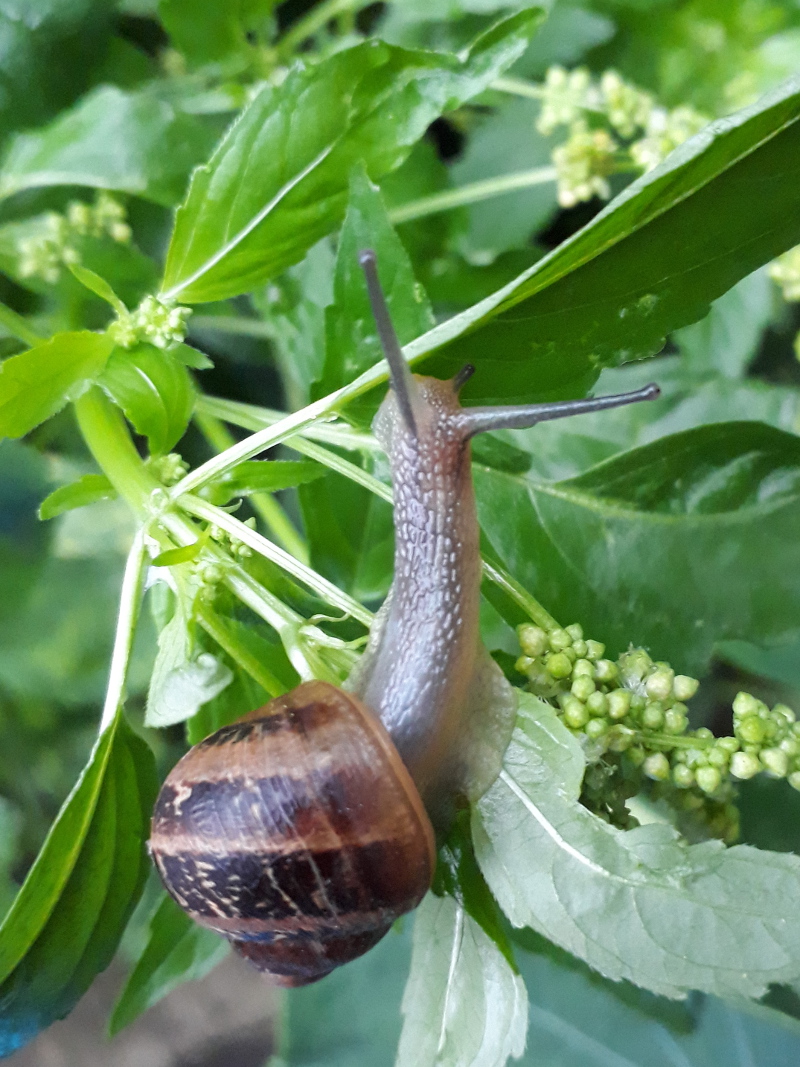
[
  {"x": 86, "y": 490},
  {"x": 97, "y": 285},
  {"x": 37, "y": 383},
  {"x": 177, "y": 950},
  {"x": 781, "y": 662},
  {"x": 580, "y": 1020},
  {"x": 191, "y": 357},
  {"x": 352, "y": 343},
  {"x": 66, "y": 921},
  {"x": 726, "y": 340},
  {"x": 638, "y": 904},
  {"x": 690, "y": 540},
  {"x": 717, "y": 208},
  {"x": 463, "y": 1004},
  {"x": 185, "y": 554},
  {"x": 154, "y": 390},
  {"x": 182, "y": 680},
  {"x": 111, "y": 139},
  {"x": 208, "y": 30},
  {"x": 269, "y": 476},
  {"x": 284, "y": 190}
]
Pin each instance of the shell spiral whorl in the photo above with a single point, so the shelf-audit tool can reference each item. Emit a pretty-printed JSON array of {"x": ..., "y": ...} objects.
[{"x": 296, "y": 832}]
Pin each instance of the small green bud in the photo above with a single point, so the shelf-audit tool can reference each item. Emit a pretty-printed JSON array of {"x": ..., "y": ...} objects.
[
  {"x": 684, "y": 687},
  {"x": 658, "y": 685},
  {"x": 785, "y": 712},
  {"x": 728, "y": 744},
  {"x": 717, "y": 757},
  {"x": 619, "y": 703},
  {"x": 605, "y": 671},
  {"x": 532, "y": 640},
  {"x": 695, "y": 757},
  {"x": 575, "y": 631},
  {"x": 597, "y": 703},
  {"x": 635, "y": 755},
  {"x": 657, "y": 767},
  {"x": 745, "y": 704},
  {"x": 794, "y": 780},
  {"x": 708, "y": 779},
  {"x": 524, "y": 664},
  {"x": 558, "y": 665},
  {"x": 571, "y": 653},
  {"x": 583, "y": 687},
  {"x": 580, "y": 648},
  {"x": 575, "y": 713},
  {"x": 596, "y": 728},
  {"x": 634, "y": 665},
  {"x": 751, "y": 730},
  {"x": 559, "y": 640},
  {"x": 775, "y": 761},
  {"x": 682, "y": 776},
  {"x": 791, "y": 746},
  {"x": 620, "y": 737},
  {"x": 744, "y": 765},
  {"x": 674, "y": 722},
  {"x": 653, "y": 716},
  {"x": 594, "y": 650},
  {"x": 583, "y": 666},
  {"x": 211, "y": 573},
  {"x": 638, "y": 702},
  {"x": 704, "y": 734}
]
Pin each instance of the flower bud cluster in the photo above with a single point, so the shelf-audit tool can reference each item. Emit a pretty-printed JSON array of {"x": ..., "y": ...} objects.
[
  {"x": 785, "y": 270},
  {"x": 237, "y": 548},
  {"x": 154, "y": 322},
  {"x": 168, "y": 469},
  {"x": 45, "y": 254},
  {"x": 638, "y": 706},
  {"x": 612, "y": 126}
]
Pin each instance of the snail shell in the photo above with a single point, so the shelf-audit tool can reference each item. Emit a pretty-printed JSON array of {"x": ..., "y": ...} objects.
[{"x": 296, "y": 832}]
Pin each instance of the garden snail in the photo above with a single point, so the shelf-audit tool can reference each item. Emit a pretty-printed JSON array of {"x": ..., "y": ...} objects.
[{"x": 300, "y": 832}]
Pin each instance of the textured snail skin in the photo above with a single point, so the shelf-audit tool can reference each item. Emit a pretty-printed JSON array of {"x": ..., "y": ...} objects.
[{"x": 296, "y": 832}]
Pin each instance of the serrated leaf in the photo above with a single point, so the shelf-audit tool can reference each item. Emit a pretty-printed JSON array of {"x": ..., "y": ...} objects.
[
  {"x": 192, "y": 357},
  {"x": 177, "y": 950},
  {"x": 283, "y": 189},
  {"x": 37, "y": 383},
  {"x": 182, "y": 679},
  {"x": 111, "y": 139},
  {"x": 463, "y": 1004},
  {"x": 718, "y": 207},
  {"x": 154, "y": 390},
  {"x": 352, "y": 343},
  {"x": 86, "y": 490},
  {"x": 67, "y": 919},
  {"x": 691, "y": 538},
  {"x": 638, "y": 904},
  {"x": 270, "y": 476}
]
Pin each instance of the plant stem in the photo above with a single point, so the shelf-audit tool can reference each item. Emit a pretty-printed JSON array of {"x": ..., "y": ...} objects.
[
  {"x": 238, "y": 324},
  {"x": 213, "y": 625},
  {"x": 270, "y": 511},
  {"x": 472, "y": 193},
  {"x": 129, "y": 600},
  {"x": 106, "y": 434},
  {"x": 520, "y": 596},
  {"x": 321, "y": 586},
  {"x": 18, "y": 327},
  {"x": 311, "y": 23},
  {"x": 518, "y": 87}
]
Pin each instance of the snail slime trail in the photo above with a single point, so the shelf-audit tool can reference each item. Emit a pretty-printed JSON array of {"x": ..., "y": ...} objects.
[{"x": 303, "y": 830}]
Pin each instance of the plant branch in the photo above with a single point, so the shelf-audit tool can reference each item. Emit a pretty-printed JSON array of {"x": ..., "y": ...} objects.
[
  {"x": 314, "y": 21},
  {"x": 472, "y": 193},
  {"x": 518, "y": 87},
  {"x": 18, "y": 327},
  {"x": 129, "y": 601}
]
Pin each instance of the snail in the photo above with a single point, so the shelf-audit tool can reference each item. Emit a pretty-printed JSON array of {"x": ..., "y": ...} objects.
[{"x": 302, "y": 831}]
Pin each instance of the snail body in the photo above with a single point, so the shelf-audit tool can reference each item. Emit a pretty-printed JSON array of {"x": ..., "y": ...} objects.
[{"x": 302, "y": 831}]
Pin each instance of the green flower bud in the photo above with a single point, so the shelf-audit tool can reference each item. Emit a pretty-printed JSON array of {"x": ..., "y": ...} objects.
[
  {"x": 751, "y": 730},
  {"x": 785, "y": 712},
  {"x": 596, "y": 728},
  {"x": 728, "y": 744},
  {"x": 775, "y": 761},
  {"x": 524, "y": 664},
  {"x": 682, "y": 776},
  {"x": 580, "y": 648},
  {"x": 211, "y": 573},
  {"x": 620, "y": 737},
  {"x": 744, "y": 765},
  {"x": 619, "y": 703},
  {"x": 684, "y": 687},
  {"x": 575, "y": 631},
  {"x": 532, "y": 639},
  {"x": 558, "y": 665},
  {"x": 704, "y": 734},
  {"x": 657, "y": 767},
  {"x": 791, "y": 746},
  {"x": 605, "y": 671},
  {"x": 674, "y": 722},
  {"x": 717, "y": 757},
  {"x": 634, "y": 665},
  {"x": 658, "y": 685},
  {"x": 594, "y": 650},
  {"x": 653, "y": 716},
  {"x": 708, "y": 779},
  {"x": 583, "y": 687},
  {"x": 571, "y": 653},
  {"x": 635, "y": 755},
  {"x": 638, "y": 702},
  {"x": 597, "y": 703},
  {"x": 794, "y": 780},
  {"x": 575, "y": 713},
  {"x": 559, "y": 640},
  {"x": 695, "y": 757},
  {"x": 745, "y": 704},
  {"x": 583, "y": 666}
]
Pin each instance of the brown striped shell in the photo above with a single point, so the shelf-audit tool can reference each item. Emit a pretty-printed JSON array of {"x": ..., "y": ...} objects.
[{"x": 296, "y": 832}]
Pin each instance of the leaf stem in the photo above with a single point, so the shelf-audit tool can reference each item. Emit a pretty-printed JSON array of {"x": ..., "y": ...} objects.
[
  {"x": 312, "y": 22},
  {"x": 520, "y": 595},
  {"x": 268, "y": 508},
  {"x": 472, "y": 193},
  {"x": 518, "y": 87},
  {"x": 129, "y": 601},
  {"x": 18, "y": 327}
]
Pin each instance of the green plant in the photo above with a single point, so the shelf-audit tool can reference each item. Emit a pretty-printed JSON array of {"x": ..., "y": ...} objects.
[{"x": 608, "y": 842}]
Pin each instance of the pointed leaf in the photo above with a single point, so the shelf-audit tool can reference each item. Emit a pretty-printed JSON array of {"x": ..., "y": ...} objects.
[{"x": 86, "y": 490}]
